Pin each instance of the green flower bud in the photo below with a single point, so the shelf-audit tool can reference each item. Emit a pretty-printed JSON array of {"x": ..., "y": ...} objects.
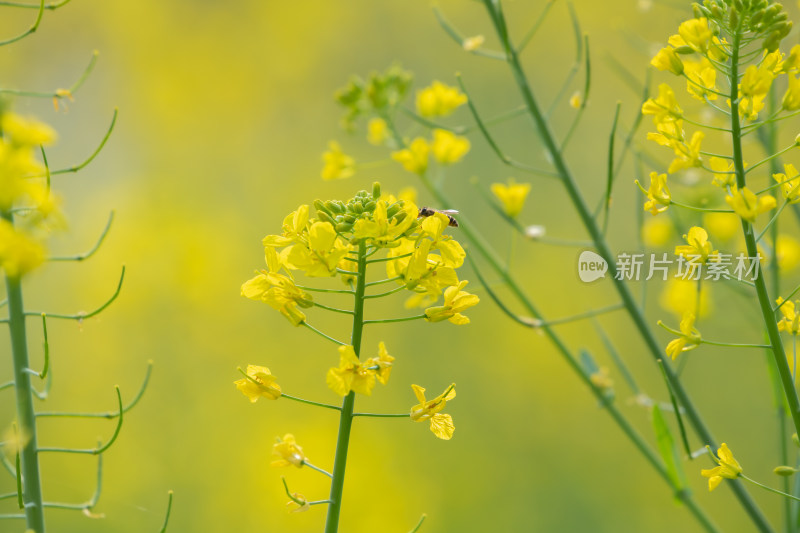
[
  {"x": 370, "y": 206},
  {"x": 785, "y": 470},
  {"x": 321, "y": 207},
  {"x": 376, "y": 190},
  {"x": 325, "y": 217},
  {"x": 394, "y": 209},
  {"x": 343, "y": 227}
]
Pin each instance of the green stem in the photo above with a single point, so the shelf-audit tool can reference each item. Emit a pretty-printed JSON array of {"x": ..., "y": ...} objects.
[
  {"x": 621, "y": 286},
  {"x": 764, "y": 300},
  {"x": 346, "y": 417},
  {"x": 26, "y": 417},
  {"x": 754, "y": 482}
]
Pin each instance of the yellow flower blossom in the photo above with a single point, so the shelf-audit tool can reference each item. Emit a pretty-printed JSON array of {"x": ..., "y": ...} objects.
[
  {"x": 455, "y": 301},
  {"x": 321, "y": 255},
  {"x": 747, "y": 205},
  {"x": 26, "y": 131},
  {"x": 790, "y": 323},
  {"x": 278, "y": 290},
  {"x": 19, "y": 252},
  {"x": 382, "y": 231},
  {"x": 441, "y": 424},
  {"x": 288, "y": 452},
  {"x": 439, "y": 100},
  {"x": 699, "y": 248},
  {"x": 791, "y": 99},
  {"x": 377, "y": 131},
  {"x": 259, "y": 383},
  {"x": 448, "y": 148},
  {"x": 295, "y": 226},
  {"x": 664, "y": 107},
  {"x": 688, "y": 339},
  {"x": 667, "y": 59},
  {"x": 471, "y": 44},
  {"x": 350, "y": 375},
  {"x": 687, "y": 155},
  {"x": 512, "y": 196},
  {"x": 701, "y": 79},
  {"x": 657, "y": 232},
  {"x": 789, "y": 183},
  {"x": 601, "y": 379},
  {"x": 696, "y": 33},
  {"x": 680, "y": 296},
  {"x": 338, "y": 165},
  {"x": 722, "y": 226},
  {"x": 576, "y": 101},
  {"x": 414, "y": 158},
  {"x": 788, "y": 251},
  {"x": 298, "y": 503},
  {"x": 723, "y": 175},
  {"x": 452, "y": 253},
  {"x": 792, "y": 62},
  {"x": 728, "y": 468},
  {"x": 658, "y": 194},
  {"x": 381, "y": 365}
]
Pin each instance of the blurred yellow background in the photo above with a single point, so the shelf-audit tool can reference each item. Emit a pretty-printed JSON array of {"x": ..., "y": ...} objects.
[{"x": 225, "y": 109}]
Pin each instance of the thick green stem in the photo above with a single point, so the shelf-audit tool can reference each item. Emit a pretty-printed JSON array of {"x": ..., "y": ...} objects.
[
  {"x": 597, "y": 237},
  {"x": 764, "y": 301},
  {"x": 26, "y": 417},
  {"x": 346, "y": 417}
]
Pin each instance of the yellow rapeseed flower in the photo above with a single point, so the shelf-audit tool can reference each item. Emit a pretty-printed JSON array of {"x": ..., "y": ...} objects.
[
  {"x": 278, "y": 290},
  {"x": 790, "y": 323},
  {"x": 414, "y": 158},
  {"x": 687, "y": 155},
  {"x": 322, "y": 254},
  {"x": 439, "y": 100},
  {"x": 455, "y": 301},
  {"x": 747, "y": 205},
  {"x": 787, "y": 249},
  {"x": 680, "y": 296},
  {"x": 667, "y": 59},
  {"x": 259, "y": 383},
  {"x": 701, "y": 79},
  {"x": 512, "y": 196},
  {"x": 657, "y": 232},
  {"x": 338, "y": 165},
  {"x": 696, "y": 34},
  {"x": 728, "y": 468},
  {"x": 688, "y": 339},
  {"x": 699, "y": 248},
  {"x": 722, "y": 226},
  {"x": 789, "y": 183},
  {"x": 723, "y": 172},
  {"x": 658, "y": 194},
  {"x": 288, "y": 452},
  {"x": 377, "y": 131},
  {"x": 441, "y": 424},
  {"x": 664, "y": 107},
  {"x": 19, "y": 252},
  {"x": 447, "y": 147},
  {"x": 471, "y": 44},
  {"x": 350, "y": 375},
  {"x": 791, "y": 99}
]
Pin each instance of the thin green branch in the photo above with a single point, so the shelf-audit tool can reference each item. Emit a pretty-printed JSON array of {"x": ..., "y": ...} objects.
[
  {"x": 83, "y": 316},
  {"x": 333, "y": 309},
  {"x": 58, "y": 93},
  {"x": 30, "y": 30},
  {"x": 76, "y": 168},
  {"x": 169, "y": 511},
  {"x": 321, "y": 334},
  {"x": 309, "y": 402},
  {"x": 108, "y": 414},
  {"x": 90, "y": 252},
  {"x": 460, "y": 40},
  {"x": 388, "y": 320},
  {"x": 100, "y": 449}
]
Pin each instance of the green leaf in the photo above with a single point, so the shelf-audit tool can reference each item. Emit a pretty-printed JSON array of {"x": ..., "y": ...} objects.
[{"x": 666, "y": 448}]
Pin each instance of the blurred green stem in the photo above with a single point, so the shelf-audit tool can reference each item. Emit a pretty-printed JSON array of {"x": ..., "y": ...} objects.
[
  {"x": 346, "y": 417},
  {"x": 29, "y": 458}
]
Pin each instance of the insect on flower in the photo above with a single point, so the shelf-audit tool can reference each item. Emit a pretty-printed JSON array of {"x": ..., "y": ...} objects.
[{"x": 429, "y": 211}]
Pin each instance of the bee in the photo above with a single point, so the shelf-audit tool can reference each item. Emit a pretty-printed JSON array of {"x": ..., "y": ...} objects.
[{"x": 429, "y": 211}]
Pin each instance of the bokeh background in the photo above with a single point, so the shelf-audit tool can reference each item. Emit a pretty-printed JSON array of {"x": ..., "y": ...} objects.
[{"x": 225, "y": 109}]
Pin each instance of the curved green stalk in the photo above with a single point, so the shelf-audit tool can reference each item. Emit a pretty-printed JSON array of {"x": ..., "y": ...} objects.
[{"x": 346, "y": 417}]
